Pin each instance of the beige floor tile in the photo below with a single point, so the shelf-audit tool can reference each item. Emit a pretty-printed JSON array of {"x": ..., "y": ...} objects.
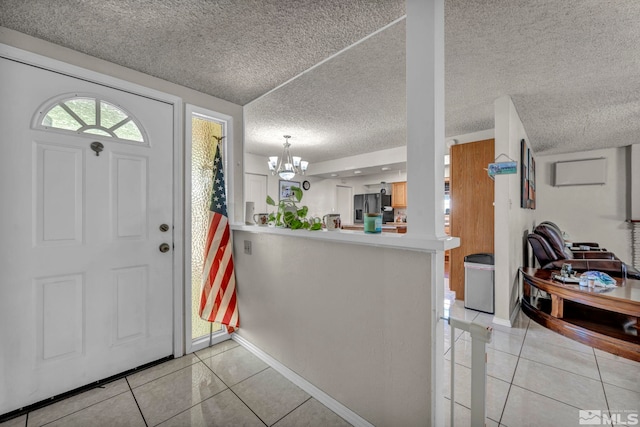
[
  {"x": 620, "y": 374},
  {"x": 223, "y": 409},
  {"x": 270, "y": 395},
  {"x": 572, "y": 389},
  {"x": 457, "y": 310},
  {"x": 496, "y": 390},
  {"x": 167, "y": 396},
  {"x": 563, "y": 358},
  {"x": 462, "y": 416},
  {"x": 20, "y": 421},
  {"x": 235, "y": 365},
  {"x": 502, "y": 341},
  {"x": 519, "y": 327},
  {"x": 75, "y": 403},
  {"x": 312, "y": 414},
  {"x": 605, "y": 355},
  {"x": 621, "y": 399},
  {"x": 623, "y": 403},
  {"x": 542, "y": 337},
  {"x": 120, "y": 410},
  {"x": 528, "y": 409},
  {"x": 500, "y": 365},
  {"x": 216, "y": 349},
  {"x": 155, "y": 372}
]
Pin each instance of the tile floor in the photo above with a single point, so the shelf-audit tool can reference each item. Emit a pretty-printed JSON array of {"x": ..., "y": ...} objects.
[
  {"x": 223, "y": 385},
  {"x": 535, "y": 378}
]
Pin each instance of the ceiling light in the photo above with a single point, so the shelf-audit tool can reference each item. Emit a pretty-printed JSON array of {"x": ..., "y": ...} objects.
[
  {"x": 289, "y": 165},
  {"x": 357, "y": 172},
  {"x": 334, "y": 174},
  {"x": 386, "y": 168}
]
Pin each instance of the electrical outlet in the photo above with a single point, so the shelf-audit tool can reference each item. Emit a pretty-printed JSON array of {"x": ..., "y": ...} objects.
[{"x": 247, "y": 247}]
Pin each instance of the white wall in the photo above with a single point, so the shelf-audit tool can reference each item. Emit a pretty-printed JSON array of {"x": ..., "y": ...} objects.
[
  {"x": 360, "y": 161},
  {"x": 588, "y": 212},
  {"x": 350, "y": 319},
  {"x": 508, "y": 240},
  {"x": 321, "y": 197},
  {"x": 371, "y": 183}
]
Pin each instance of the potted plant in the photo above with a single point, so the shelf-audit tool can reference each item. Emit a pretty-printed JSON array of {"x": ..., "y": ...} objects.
[{"x": 289, "y": 215}]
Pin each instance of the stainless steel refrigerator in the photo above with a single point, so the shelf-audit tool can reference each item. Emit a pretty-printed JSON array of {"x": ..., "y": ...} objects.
[{"x": 374, "y": 202}]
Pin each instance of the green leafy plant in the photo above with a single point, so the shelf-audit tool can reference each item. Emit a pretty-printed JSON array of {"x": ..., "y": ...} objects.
[{"x": 290, "y": 215}]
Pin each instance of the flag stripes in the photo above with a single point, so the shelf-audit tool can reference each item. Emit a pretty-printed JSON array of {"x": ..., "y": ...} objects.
[{"x": 218, "y": 302}]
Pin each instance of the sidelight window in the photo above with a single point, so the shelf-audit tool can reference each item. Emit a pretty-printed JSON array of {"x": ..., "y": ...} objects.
[{"x": 92, "y": 116}]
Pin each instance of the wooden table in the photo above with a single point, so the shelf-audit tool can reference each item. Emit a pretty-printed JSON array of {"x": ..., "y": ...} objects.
[{"x": 605, "y": 318}]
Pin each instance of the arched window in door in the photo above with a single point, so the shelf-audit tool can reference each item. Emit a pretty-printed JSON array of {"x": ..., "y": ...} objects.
[{"x": 84, "y": 114}]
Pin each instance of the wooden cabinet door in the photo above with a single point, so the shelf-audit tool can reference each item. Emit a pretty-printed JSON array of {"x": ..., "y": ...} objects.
[{"x": 399, "y": 194}]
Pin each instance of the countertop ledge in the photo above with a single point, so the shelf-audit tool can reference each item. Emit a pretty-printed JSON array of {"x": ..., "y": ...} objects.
[{"x": 390, "y": 240}]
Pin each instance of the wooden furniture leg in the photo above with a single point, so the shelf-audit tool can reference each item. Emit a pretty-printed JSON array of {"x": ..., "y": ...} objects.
[{"x": 557, "y": 306}]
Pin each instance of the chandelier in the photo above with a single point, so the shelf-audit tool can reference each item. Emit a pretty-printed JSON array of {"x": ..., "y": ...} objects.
[{"x": 289, "y": 165}]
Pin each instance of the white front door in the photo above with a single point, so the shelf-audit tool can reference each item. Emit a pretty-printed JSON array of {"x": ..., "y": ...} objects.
[{"x": 85, "y": 292}]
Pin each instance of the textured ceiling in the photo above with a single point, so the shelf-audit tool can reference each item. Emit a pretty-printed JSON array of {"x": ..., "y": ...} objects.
[
  {"x": 351, "y": 104},
  {"x": 232, "y": 49},
  {"x": 572, "y": 67}
]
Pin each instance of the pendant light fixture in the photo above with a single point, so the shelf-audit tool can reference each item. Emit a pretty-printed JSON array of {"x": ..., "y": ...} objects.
[{"x": 289, "y": 165}]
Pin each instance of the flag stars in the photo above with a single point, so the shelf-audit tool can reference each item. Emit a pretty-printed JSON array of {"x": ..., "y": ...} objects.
[{"x": 218, "y": 198}]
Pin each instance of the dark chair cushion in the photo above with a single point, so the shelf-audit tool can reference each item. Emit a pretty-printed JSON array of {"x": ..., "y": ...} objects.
[
  {"x": 543, "y": 252},
  {"x": 554, "y": 239}
]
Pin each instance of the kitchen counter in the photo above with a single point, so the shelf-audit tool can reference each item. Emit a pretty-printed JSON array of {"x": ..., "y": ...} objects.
[{"x": 386, "y": 228}]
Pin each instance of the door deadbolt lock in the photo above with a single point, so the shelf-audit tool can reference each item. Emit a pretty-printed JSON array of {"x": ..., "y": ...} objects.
[
  {"x": 164, "y": 228},
  {"x": 164, "y": 247}
]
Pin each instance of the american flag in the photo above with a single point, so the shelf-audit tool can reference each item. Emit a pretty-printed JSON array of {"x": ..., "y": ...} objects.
[{"x": 218, "y": 302}]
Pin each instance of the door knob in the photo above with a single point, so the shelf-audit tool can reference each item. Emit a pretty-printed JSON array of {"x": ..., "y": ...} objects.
[{"x": 164, "y": 247}]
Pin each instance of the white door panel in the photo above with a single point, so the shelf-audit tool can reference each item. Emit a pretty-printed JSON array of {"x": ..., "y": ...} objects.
[
  {"x": 85, "y": 292},
  {"x": 344, "y": 203},
  {"x": 256, "y": 191}
]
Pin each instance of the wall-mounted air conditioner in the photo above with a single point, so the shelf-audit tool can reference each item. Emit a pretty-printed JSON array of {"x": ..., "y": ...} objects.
[{"x": 581, "y": 172}]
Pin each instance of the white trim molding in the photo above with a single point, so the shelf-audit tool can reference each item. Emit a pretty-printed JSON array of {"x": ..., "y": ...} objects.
[{"x": 227, "y": 122}]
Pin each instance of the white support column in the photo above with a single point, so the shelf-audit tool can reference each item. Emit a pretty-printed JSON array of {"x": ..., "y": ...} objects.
[
  {"x": 425, "y": 117},
  {"x": 425, "y": 161}
]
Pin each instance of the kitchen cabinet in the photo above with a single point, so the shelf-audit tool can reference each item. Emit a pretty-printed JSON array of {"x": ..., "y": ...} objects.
[{"x": 399, "y": 194}]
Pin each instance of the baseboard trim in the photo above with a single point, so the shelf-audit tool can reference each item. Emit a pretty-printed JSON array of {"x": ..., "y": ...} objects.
[
  {"x": 322, "y": 397},
  {"x": 512, "y": 318},
  {"x": 501, "y": 322}
]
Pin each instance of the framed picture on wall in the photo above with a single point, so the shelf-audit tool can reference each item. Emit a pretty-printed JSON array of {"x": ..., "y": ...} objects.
[
  {"x": 285, "y": 189},
  {"x": 527, "y": 177}
]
